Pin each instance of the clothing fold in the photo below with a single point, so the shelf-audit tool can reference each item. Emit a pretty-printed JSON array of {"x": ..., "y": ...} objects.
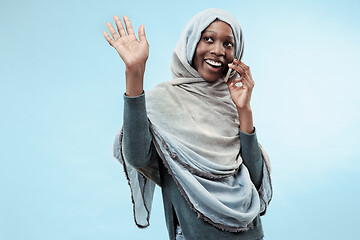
[
  {"x": 210, "y": 195},
  {"x": 195, "y": 131}
]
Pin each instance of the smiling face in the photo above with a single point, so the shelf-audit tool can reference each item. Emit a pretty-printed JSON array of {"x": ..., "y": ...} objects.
[{"x": 214, "y": 51}]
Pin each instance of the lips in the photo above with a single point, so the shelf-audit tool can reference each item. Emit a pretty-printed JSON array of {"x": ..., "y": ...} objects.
[
  {"x": 214, "y": 67},
  {"x": 214, "y": 63}
]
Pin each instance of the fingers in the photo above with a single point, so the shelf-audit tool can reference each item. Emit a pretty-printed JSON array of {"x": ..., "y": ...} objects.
[
  {"x": 122, "y": 32},
  {"x": 246, "y": 69},
  {"x": 241, "y": 82},
  {"x": 238, "y": 82},
  {"x": 107, "y": 37},
  {"x": 243, "y": 70},
  {"x": 247, "y": 83},
  {"x": 121, "y": 29},
  {"x": 112, "y": 31},
  {"x": 128, "y": 26},
  {"x": 141, "y": 33},
  {"x": 120, "y": 26}
]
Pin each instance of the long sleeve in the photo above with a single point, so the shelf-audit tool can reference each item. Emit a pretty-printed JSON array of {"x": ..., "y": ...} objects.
[
  {"x": 252, "y": 158},
  {"x": 137, "y": 141}
]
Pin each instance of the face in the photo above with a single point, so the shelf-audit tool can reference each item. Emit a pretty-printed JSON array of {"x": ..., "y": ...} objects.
[{"x": 214, "y": 51}]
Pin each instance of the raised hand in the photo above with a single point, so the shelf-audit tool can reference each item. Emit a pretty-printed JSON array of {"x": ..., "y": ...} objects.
[
  {"x": 132, "y": 51},
  {"x": 241, "y": 95}
]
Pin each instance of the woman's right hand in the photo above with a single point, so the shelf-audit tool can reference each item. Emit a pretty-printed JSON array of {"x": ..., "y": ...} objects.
[{"x": 132, "y": 51}]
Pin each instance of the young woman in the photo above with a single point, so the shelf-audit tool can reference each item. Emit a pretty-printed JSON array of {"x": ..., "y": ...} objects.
[{"x": 194, "y": 135}]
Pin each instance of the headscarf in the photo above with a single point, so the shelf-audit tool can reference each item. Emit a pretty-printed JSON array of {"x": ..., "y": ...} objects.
[
  {"x": 186, "y": 46},
  {"x": 195, "y": 131}
]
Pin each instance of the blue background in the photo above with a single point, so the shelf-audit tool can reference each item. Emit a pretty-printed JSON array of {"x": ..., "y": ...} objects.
[{"x": 61, "y": 104}]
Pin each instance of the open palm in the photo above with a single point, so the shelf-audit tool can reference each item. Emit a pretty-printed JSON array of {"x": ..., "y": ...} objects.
[{"x": 132, "y": 51}]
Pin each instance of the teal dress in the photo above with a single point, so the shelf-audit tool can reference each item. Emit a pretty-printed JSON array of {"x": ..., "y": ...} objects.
[{"x": 139, "y": 149}]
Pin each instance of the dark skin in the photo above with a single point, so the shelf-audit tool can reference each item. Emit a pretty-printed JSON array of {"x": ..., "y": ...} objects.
[
  {"x": 213, "y": 54},
  {"x": 216, "y": 46}
]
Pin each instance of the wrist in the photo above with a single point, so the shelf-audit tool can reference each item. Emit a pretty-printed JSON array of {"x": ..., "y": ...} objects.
[
  {"x": 134, "y": 81},
  {"x": 246, "y": 120},
  {"x": 135, "y": 70},
  {"x": 244, "y": 111},
  {"x": 134, "y": 93}
]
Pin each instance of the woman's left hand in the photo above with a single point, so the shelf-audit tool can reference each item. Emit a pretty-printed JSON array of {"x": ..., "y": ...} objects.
[{"x": 241, "y": 95}]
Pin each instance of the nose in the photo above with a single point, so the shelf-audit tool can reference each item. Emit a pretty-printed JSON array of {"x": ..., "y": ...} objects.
[{"x": 218, "y": 49}]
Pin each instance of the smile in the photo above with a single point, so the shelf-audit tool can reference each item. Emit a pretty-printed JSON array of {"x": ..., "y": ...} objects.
[{"x": 213, "y": 63}]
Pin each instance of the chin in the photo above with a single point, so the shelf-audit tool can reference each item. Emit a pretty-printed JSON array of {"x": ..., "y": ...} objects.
[
  {"x": 211, "y": 76},
  {"x": 211, "y": 80}
]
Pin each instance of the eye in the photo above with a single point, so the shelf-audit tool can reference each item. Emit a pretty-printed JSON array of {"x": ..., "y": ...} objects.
[
  {"x": 228, "y": 44},
  {"x": 208, "y": 39}
]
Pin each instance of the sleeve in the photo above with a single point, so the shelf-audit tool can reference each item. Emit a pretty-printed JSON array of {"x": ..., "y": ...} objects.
[
  {"x": 133, "y": 148},
  {"x": 252, "y": 157},
  {"x": 138, "y": 149}
]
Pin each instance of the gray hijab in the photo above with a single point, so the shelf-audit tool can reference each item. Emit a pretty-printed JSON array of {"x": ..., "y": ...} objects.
[
  {"x": 195, "y": 131},
  {"x": 185, "y": 48}
]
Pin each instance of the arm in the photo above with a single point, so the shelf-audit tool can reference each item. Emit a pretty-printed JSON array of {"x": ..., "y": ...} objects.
[
  {"x": 241, "y": 96},
  {"x": 136, "y": 134},
  {"x": 252, "y": 158},
  {"x": 137, "y": 141}
]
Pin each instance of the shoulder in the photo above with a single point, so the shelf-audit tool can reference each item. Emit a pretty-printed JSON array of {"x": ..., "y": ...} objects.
[{"x": 158, "y": 92}]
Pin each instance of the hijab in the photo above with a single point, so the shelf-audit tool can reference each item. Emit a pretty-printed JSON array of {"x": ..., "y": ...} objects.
[{"x": 181, "y": 65}]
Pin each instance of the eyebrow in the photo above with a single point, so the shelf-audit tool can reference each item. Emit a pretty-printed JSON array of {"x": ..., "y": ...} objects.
[{"x": 230, "y": 36}]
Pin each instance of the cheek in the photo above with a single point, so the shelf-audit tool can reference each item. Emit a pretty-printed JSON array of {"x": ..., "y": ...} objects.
[
  {"x": 231, "y": 55},
  {"x": 195, "y": 62},
  {"x": 198, "y": 57}
]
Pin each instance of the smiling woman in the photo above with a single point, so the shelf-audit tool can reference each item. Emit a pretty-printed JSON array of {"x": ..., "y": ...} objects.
[
  {"x": 215, "y": 50},
  {"x": 194, "y": 136}
]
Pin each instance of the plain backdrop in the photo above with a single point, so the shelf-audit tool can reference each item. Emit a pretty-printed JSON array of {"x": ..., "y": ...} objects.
[{"x": 61, "y": 93}]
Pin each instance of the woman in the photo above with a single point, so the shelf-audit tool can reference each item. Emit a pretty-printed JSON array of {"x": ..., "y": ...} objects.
[{"x": 194, "y": 135}]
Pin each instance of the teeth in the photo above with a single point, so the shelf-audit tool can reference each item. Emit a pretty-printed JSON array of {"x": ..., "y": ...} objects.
[{"x": 211, "y": 62}]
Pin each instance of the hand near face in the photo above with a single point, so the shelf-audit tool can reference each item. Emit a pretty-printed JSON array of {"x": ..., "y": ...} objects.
[
  {"x": 134, "y": 53},
  {"x": 241, "y": 95}
]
